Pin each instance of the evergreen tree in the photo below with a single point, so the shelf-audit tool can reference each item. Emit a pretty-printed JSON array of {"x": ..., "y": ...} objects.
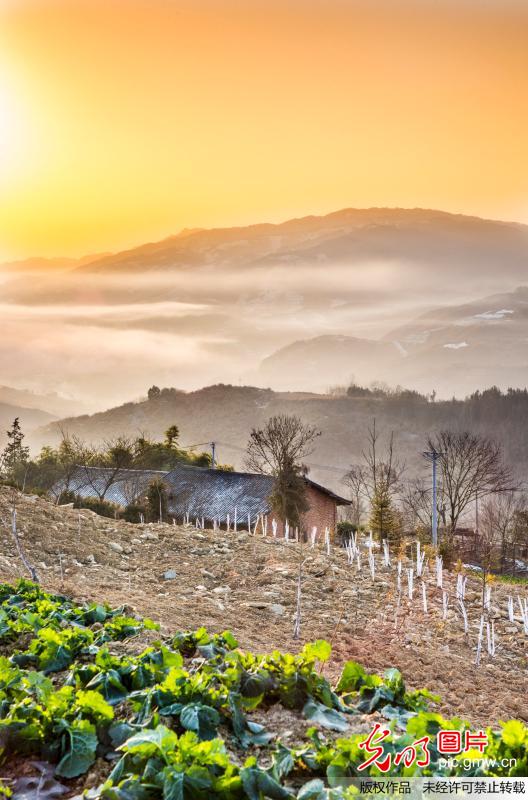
[
  {"x": 15, "y": 455},
  {"x": 172, "y": 435},
  {"x": 383, "y": 519},
  {"x": 157, "y": 501}
]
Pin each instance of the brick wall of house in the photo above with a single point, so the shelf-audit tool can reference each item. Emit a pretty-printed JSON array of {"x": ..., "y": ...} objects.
[{"x": 321, "y": 514}]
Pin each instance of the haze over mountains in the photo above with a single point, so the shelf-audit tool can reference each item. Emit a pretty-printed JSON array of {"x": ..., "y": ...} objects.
[
  {"x": 450, "y": 350},
  {"x": 426, "y": 299}
]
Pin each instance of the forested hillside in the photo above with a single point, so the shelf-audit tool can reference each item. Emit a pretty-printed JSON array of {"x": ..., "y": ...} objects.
[{"x": 225, "y": 414}]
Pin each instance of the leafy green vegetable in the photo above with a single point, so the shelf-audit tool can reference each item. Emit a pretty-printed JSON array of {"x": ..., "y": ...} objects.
[{"x": 67, "y": 697}]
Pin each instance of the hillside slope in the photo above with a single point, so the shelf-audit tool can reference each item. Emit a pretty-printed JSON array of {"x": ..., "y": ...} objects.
[
  {"x": 226, "y": 414},
  {"x": 249, "y": 583},
  {"x": 30, "y": 418}
]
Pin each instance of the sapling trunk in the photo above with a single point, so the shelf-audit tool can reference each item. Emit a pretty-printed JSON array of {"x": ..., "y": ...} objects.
[
  {"x": 372, "y": 564},
  {"x": 439, "y": 572},
  {"x": 313, "y": 537},
  {"x": 420, "y": 558},
  {"x": 386, "y": 554},
  {"x": 464, "y": 614},
  {"x": 461, "y": 586},
  {"x": 445, "y": 603},
  {"x": 479, "y": 643},
  {"x": 297, "y": 623},
  {"x": 523, "y": 605},
  {"x": 490, "y": 638},
  {"x": 410, "y": 582}
]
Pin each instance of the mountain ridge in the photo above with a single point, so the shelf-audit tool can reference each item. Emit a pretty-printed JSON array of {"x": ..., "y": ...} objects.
[{"x": 255, "y": 230}]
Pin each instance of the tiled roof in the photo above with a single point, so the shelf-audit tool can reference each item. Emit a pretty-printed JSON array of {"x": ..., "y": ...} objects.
[
  {"x": 91, "y": 482},
  {"x": 209, "y": 493},
  {"x": 215, "y": 493}
]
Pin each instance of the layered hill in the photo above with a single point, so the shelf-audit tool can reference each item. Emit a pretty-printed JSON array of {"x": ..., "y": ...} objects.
[
  {"x": 30, "y": 418},
  {"x": 226, "y": 415},
  {"x": 456, "y": 348},
  {"x": 208, "y": 306}
]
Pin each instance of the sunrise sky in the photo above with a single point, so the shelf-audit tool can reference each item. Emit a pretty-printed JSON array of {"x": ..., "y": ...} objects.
[{"x": 124, "y": 121}]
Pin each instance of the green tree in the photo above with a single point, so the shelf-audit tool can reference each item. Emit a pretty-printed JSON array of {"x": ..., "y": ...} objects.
[
  {"x": 15, "y": 457},
  {"x": 172, "y": 435},
  {"x": 380, "y": 477},
  {"x": 157, "y": 501},
  {"x": 383, "y": 519}
]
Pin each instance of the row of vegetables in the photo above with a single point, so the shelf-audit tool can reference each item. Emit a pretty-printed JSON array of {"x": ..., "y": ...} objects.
[{"x": 175, "y": 720}]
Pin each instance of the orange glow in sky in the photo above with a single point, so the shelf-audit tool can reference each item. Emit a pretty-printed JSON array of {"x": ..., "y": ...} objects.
[{"x": 122, "y": 121}]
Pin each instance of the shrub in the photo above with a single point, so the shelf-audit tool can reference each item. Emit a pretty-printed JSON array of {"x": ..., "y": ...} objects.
[
  {"x": 345, "y": 531},
  {"x": 133, "y": 513},
  {"x": 102, "y": 507}
]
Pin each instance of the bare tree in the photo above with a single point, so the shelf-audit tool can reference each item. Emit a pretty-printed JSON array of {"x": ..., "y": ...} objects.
[
  {"x": 416, "y": 498},
  {"x": 471, "y": 467},
  {"x": 71, "y": 454},
  {"x": 278, "y": 449},
  {"x": 356, "y": 479},
  {"x": 109, "y": 464},
  {"x": 492, "y": 519}
]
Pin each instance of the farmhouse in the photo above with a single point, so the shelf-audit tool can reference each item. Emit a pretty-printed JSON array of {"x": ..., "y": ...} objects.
[
  {"x": 213, "y": 495},
  {"x": 216, "y": 495}
]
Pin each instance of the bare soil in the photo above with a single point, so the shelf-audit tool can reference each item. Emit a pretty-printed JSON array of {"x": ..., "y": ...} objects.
[{"x": 248, "y": 584}]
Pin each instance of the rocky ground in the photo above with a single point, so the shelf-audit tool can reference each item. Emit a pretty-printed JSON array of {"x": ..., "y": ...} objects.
[{"x": 185, "y": 578}]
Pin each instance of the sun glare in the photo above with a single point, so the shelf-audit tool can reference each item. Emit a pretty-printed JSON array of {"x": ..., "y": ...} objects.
[{"x": 12, "y": 131}]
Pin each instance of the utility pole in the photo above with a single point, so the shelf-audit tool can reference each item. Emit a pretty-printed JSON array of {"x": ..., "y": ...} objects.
[
  {"x": 213, "y": 455},
  {"x": 433, "y": 456}
]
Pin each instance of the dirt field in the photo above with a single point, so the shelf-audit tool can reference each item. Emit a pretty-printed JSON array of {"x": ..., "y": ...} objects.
[{"x": 248, "y": 584}]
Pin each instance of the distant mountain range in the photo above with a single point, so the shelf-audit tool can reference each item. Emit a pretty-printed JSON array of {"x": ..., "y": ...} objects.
[
  {"x": 350, "y": 235},
  {"x": 464, "y": 346},
  {"x": 30, "y": 418},
  {"x": 381, "y": 294},
  {"x": 52, "y": 404}
]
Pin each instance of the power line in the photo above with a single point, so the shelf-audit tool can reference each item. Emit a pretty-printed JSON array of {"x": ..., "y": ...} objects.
[{"x": 340, "y": 470}]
